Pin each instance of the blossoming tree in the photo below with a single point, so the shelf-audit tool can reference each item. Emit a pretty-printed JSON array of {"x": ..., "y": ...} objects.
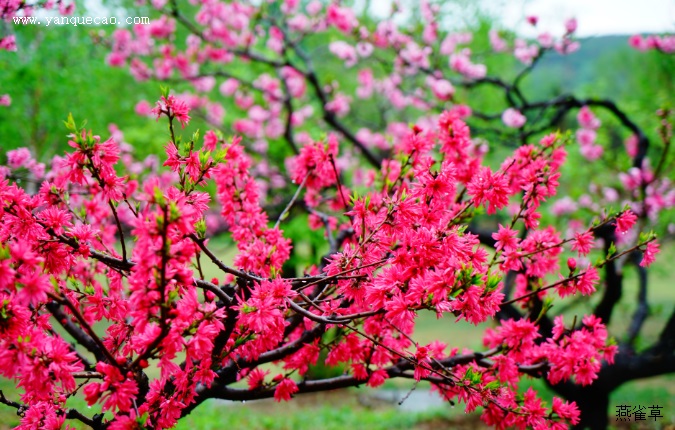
[{"x": 101, "y": 267}]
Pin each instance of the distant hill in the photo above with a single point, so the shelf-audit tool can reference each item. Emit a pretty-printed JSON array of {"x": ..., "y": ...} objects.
[{"x": 573, "y": 73}]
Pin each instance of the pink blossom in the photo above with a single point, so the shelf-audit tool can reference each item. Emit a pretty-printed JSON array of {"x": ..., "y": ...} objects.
[
  {"x": 210, "y": 140},
  {"x": 625, "y": 222},
  {"x": 365, "y": 78},
  {"x": 461, "y": 63},
  {"x": 638, "y": 42},
  {"x": 314, "y": 7},
  {"x": 462, "y": 111},
  {"x": 513, "y": 118},
  {"x": 17, "y": 158},
  {"x": 587, "y": 119},
  {"x": 566, "y": 46},
  {"x": 631, "y": 144},
  {"x": 204, "y": 84},
  {"x": 498, "y": 44},
  {"x": 116, "y": 59},
  {"x": 377, "y": 378},
  {"x": 571, "y": 25},
  {"x": 486, "y": 187},
  {"x": 339, "y": 105},
  {"x": 506, "y": 238},
  {"x": 275, "y": 42},
  {"x": 228, "y": 87},
  {"x": 586, "y": 136},
  {"x": 364, "y": 49},
  {"x": 583, "y": 242},
  {"x": 290, "y": 6},
  {"x": 566, "y": 410},
  {"x": 256, "y": 378},
  {"x": 525, "y": 53},
  {"x": 342, "y": 18},
  {"x": 285, "y": 390},
  {"x": 215, "y": 113},
  {"x": 442, "y": 89},
  {"x": 650, "y": 252},
  {"x": 591, "y": 152},
  {"x": 162, "y": 28},
  {"x": 344, "y": 51},
  {"x": 452, "y": 40},
  {"x": 295, "y": 81},
  {"x": 585, "y": 284},
  {"x": 8, "y": 43},
  {"x": 173, "y": 108},
  {"x": 545, "y": 40},
  {"x": 564, "y": 206},
  {"x": 572, "y": 264}
]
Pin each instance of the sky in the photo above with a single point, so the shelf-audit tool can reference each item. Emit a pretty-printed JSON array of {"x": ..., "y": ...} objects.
[{"x": 595, "y": 17}]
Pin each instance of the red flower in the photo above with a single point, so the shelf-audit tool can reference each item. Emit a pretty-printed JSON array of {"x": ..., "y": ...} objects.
[
  {"x": 506, "y": 238},
  {"x": 173, "y": 108},
  {"x": 583, "y": 242},
  {"x": 585, "y": 284},
  {"x": 285, "y": 390},
  {"x": 650, "y": 254},
  {"x": 256, "y": 378},
  {"x": 490, "y": 188},
  {"x": 625, "y": 222}
]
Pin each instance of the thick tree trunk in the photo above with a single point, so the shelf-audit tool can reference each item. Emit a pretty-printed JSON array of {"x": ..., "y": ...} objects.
[{"x": 594, "y": 407}]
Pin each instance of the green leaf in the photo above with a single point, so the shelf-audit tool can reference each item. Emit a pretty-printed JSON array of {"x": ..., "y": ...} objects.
[
  {"x": 70, "y": 123},
  {"x": 494, "y": 385},
  {"x": 164, "y": 90},
  {"x": 200, "y": 228},
  {"x": 493, "y": 282},
  {"x": 474, "y": 377}
]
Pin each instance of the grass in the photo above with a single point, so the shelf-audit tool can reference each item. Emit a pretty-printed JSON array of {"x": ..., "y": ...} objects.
[{"x": 328, "y": 411}]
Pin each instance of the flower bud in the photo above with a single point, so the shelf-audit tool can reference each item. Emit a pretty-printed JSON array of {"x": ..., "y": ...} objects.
[{"x": 572, "y": 264}]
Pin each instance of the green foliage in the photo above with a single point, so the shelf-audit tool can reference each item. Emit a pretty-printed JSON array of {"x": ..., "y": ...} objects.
[{"x": 60, "y": 69}]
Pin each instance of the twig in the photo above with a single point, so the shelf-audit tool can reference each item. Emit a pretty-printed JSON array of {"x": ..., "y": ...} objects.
[{"x": 292, "y": 201}]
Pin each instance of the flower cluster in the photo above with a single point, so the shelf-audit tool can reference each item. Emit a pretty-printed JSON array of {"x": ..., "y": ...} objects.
[
  {"x": 406, "y": 251},
  {"x": 586, "y": 135}
]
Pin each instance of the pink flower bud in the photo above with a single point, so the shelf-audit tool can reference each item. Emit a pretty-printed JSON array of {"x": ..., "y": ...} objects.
[{"x": 572, "y": 264}]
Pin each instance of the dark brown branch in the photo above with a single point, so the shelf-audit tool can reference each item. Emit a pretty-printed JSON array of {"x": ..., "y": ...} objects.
[
  {"x": 75, "y": 331},
  {"x": 642, "y": 310},
  {"x": 613, "y": 279},
  {"x": 208, "y": 286},
  {"x": 5, "y": 401},
  {"x": 393, "y": 371},
  {"x": 222, "y": 266},
  {"x": 74, "y": 414},
  {"x": 107, "y": 356},
  {"x": 288, "y": 128}
]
